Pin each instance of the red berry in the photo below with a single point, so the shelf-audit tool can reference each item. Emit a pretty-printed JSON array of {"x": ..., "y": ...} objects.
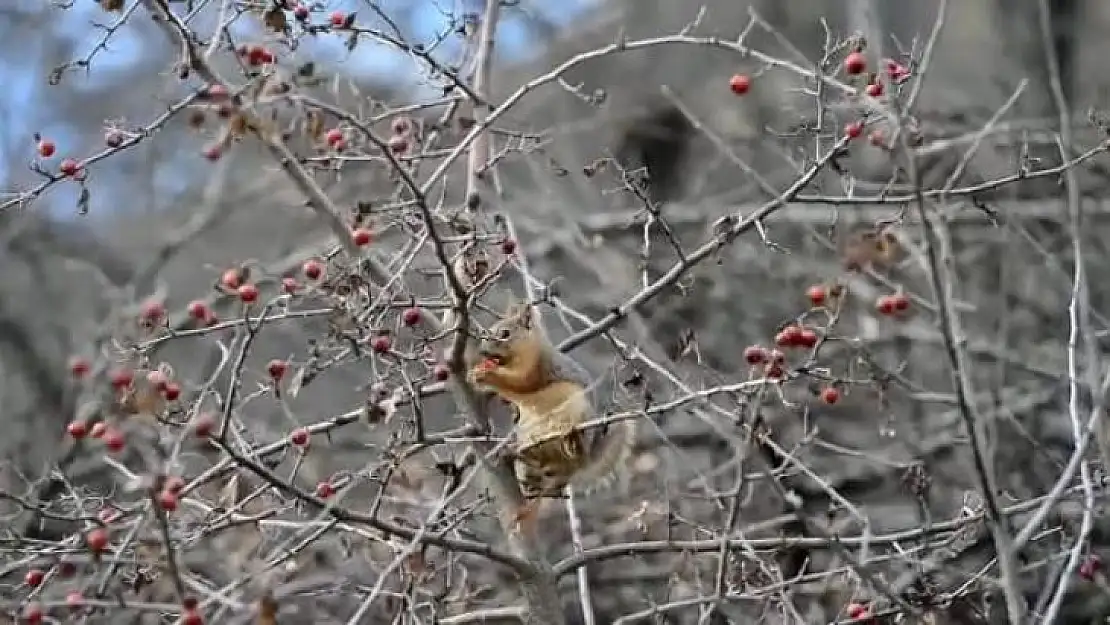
[
  {"x": 203, "y": 425},
  {"x": 232, "y": 279},
  {"x": 381, "y": 344},
  {"x": 508, "y": 246},
  {"x": 877, "y": 138},
  {"x": 46, "y": 148},
  {"x": 299, "y": 437},
  {"x": 75, "y": 600},
  {"x": 213, "y": 152},
  {"x": 324, "y": 490},
  {"x": 77, "y": 429},
  {"x": 398, "y": 144},
  {"x": 1090, "y": 567},
  {"x": 67, "y": 569},
  {"x": 774, "y": 371},
  {"x": 121, "y": 377},
  {"x": 855, "y": 63},
  {"x": 289, "y": 285},
  {"x": 33, "y": 613},
  {"x": 97, "y": 540},
  {"x": 216, "y": 91},
  {"x": 853, "y": 130},
  {"x": 875, "y": 89},
  {"x": 361, "y": 236},
  {"x": 69, "y": 167},
  {"x": 441, "y": 372},
  {"x": 174, "y": 484},
  {"x": 79, "y": 366},
  {"x": 313, "y": 269},
  {"x": 817, "y": 294},
  {"x": 885, "y": 305},
  {"x": 807, "y": 338},
  {"x": 97, "y": 430},
  {"x": 152, "y": 311},
  {"x": 301, "y": 12},
  {"x": 740, "y": 84},
  {"x": 411, "y": 316},
  {"x": 113, "y": 138},
  {"x": 190, "y": 602},
  {"x": 248, "y": 293},
  {"x": 340, "y": 145},
  {"x": 857, "y": 610},
  {"x": 335, "y": 135},
  {"x": 172, "y": 391},
  {"x": 34, "y": 578},
  {"x": 192, "y": 617},
  {"x": 830, "y": 395},
  {"x": 167, "y": 501},
  {"x": 400, "y": 125},
  {"x": 338, "y": 18},
  {"x": 276, "y": 369},
  {"x": 198, "y": 310},
  {"x": 901, "y": 302},
  {"x": 158, "y": 380},
  {"x": 755, "y": 355},
  {"x": 256, "y": 55},
  {"x": 108, "y": 515},
  {"x": 114, "y": 440},
  {"x": 790, "y": 336}
]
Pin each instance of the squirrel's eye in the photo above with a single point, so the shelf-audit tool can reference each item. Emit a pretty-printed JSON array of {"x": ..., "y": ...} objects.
[{"x": 504, "y": 334}]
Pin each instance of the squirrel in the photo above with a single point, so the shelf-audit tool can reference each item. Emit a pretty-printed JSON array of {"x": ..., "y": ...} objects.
[{"x": 552, "y": 395}]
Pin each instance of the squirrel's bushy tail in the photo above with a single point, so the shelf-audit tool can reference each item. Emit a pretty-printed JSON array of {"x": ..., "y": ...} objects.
[{"x": 607, "y": 464}]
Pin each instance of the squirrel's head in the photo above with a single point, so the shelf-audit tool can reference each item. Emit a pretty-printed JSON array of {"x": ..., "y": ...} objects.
[{"x": 502, "y": 342}]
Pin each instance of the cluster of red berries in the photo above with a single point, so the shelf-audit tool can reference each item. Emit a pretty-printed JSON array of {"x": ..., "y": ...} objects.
[
  {"x": 169, "y": 495},
  {"x": 1090, "y": 567},
  {"x": 255, "y": 54},
  {"x": 859, "y": 612},
  {"x": 889, "y": 305}
]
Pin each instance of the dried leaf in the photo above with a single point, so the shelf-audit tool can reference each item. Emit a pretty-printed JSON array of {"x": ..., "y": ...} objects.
[
  {"x": 114, "y": 6},
  {"x": 274, "y": 19}
]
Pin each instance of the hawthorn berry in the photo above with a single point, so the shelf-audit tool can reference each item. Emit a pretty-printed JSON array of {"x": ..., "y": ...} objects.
[
  {"x": 299, "y": 437},
  {"x": 77, "y": 429},
  {"x": 232, "y": 279},
  {"x": 108, "y": 514},
  {"x": 324, "y": 490},
  {"x": 901, "y": 302},
  {"x": 190, "y": 602},
  {"x": 1090, "y": 566},
  {"x": 740, "y": 84},
  {"x": 167, "y": 501},
  {"x": 97, "y": 430},
  {"x": 248, "y": 293},
  {"x": 152, "y": 311},
  {"x": 877, "y": 138},
  {"x": 198, "y": 310},
  {"x": 289, "y": 285},
  {"x": 67, "y": 568},
  {"x": 885, "y": 305},
  {"x": 817, "y": 294},
  {"x": 755, "y": 355},
  {"x": 790, "y": 336},
  {"x": 192, "y": 617},
  {"x": 381, "y": 344},
  {"x": 774, "y": 371},
  {"x": 69, "y": 167},
  {"x": 203, "y": 425},
  {"x": 79, "y": 366},
  {"x": 301, "y": 12},
  {"x": 256, "y": 55},
  {"x": 441, "y": 372},
  {"x": 508, "y": 246},
  {"x": 411, "y": 316},
  {"x": 398, "y": 144},
  {"x": 276, "y": 368},
  {"x": 400, "y": 125},
  {"x": 158, "y": 380},
  {"x": 830, "y": 395},
  {"x": 334, "y": 136},
  {"x": 97, "y": 540},
  {"x": 361, "y": 236},
  {"x": 855, "y": 63},
  {"x": 853, "y": 130},
  {"x": 338, "y": 19},
  {"x": 114, "y": 440},
  {"x": 857, "y": 610},
  {"x": 172, "y": 391},
  {"x": 121, "y": 377},
  {"x": 75, "y": 600},
  {"x": 34, "y": 578},
  {"x": 46, "y": 148},
  {"x": 174, "y": 484},
  {"x": 313, "y": 269},
  {"x": 875, "y": 89},
  {"x": 33, "y": 613},
  {"x": 807, "y": 338},
  {"x": 113, "y": 138}
]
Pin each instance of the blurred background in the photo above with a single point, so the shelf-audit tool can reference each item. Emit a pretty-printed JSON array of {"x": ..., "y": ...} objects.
[{"x": 159, "y": 218}]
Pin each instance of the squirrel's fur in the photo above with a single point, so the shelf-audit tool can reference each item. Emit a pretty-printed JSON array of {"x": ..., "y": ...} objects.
[{"x": 553, "y": 396}]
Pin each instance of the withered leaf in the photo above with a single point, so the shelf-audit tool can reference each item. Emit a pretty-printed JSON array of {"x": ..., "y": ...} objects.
[
  {"x": 275, "y": 20},
  {"x": 111, "y": 5}
]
